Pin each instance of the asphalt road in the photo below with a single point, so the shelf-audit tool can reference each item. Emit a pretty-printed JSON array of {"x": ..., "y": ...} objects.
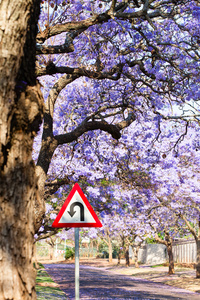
[{"x": 98, "y": 283}]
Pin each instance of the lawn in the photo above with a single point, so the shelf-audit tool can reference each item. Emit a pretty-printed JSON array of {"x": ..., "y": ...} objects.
[{"x": 46, "y": 288}]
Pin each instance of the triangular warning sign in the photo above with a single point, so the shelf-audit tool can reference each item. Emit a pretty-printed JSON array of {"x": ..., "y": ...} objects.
[{"x": 76, "y": 211}]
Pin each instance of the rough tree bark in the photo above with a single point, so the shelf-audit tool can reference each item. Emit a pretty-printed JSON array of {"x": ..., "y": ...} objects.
[{"x": 21, "y": 107}]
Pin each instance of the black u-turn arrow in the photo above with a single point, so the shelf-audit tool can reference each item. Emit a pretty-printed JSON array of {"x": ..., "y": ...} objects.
[{"x": 72, "y": 212}]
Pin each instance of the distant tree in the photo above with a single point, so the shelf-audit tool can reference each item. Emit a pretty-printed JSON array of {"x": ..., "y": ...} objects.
[{"x": 196, "y": 234}]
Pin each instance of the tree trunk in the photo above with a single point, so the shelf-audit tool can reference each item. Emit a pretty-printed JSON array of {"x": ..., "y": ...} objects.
[
  {"x": 168, "y": 243},
  {"x": 51, "y": 252},
  {"x": 35, "y": 257},
  {"x": 198, "y": 252},
  {"x": 171, "y": 259},
  {"x": 110, "y": 250},
  {"x": 21, "y": 107},
  {"x": 119, "y": 257},
  {"x": 198, "y": 260},
  {"x": 197, "y": 239},
  {"x": 126, "y": 251},
  {"x": 136, "y": 250},
  {"x": 127, "y": 257},
  {"x": 97, "y": 246}
]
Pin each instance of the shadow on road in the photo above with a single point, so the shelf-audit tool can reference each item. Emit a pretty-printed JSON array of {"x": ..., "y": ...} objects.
[{"x": 96, "y": 283}]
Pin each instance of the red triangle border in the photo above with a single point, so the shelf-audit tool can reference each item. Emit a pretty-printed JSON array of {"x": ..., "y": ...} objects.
[{"x": 56, "y": 223}]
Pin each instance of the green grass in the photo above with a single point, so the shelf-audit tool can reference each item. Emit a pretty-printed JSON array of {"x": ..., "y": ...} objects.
[
  {"x": 39, "y": 265},
  {"x": 47, "y": 292},
  {"x": 155, "y": 266}
]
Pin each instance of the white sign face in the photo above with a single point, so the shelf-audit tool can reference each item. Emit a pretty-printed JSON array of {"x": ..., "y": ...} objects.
[{"x": 76, "y": 212}]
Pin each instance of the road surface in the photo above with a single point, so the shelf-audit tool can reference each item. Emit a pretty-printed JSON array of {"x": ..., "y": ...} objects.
[{"x": 99, "y": 283}]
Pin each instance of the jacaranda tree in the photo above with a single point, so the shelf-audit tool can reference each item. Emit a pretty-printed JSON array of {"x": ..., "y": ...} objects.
[{"x": 101, "y": 65}]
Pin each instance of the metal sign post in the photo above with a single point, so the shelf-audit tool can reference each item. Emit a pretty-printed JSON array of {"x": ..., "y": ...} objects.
[{"x": 76, "y": 263}]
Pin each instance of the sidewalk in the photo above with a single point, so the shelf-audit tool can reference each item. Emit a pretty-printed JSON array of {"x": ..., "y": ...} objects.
[{"x": 183, "y": 277}]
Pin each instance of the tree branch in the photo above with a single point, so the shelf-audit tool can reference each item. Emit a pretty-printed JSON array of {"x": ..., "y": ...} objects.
[
  {"x": 57, "y": 49},
  {"x": 47, "y": 234},
  {"x": 85, "y": 126},
  {"x": 51, "y": 69},
  {"x": 191, "y": 229},
  {"x": 77, "y": 26},
  {"x": 140, "y": 63}
]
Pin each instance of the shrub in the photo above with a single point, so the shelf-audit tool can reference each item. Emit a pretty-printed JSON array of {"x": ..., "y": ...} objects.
[{"x": 69, "y": 253}]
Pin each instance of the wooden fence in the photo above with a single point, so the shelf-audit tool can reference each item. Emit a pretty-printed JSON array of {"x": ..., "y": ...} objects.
[
  {"x": 45, "y": 252},
  {"x": 184, "y": 251}
]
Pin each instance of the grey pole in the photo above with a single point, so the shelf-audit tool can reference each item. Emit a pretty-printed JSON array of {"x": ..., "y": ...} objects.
[{"x": 76, "y": 263}]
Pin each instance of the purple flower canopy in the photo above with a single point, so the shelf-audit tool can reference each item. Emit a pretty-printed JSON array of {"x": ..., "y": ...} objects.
[{"x": 122, "y": 101}]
